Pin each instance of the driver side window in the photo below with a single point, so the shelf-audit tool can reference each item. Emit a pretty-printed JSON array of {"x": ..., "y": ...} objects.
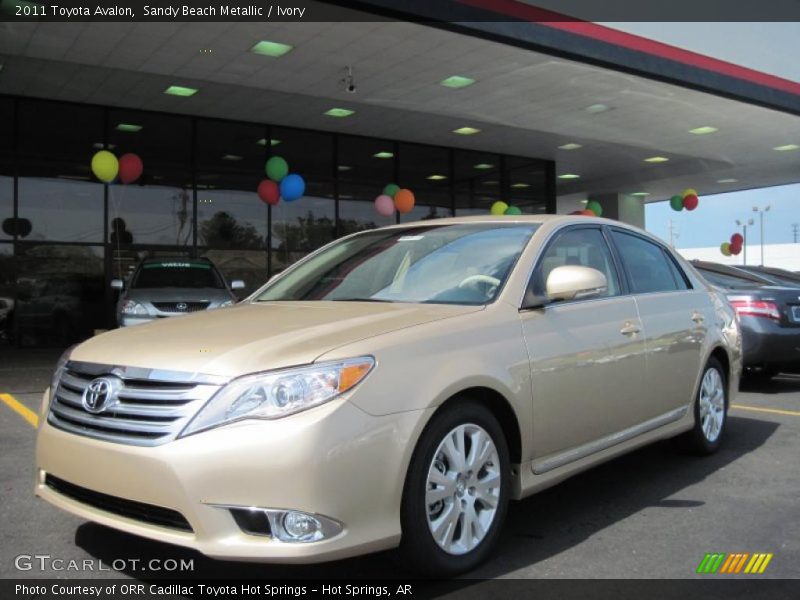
[{"x": 583, "y": 247}]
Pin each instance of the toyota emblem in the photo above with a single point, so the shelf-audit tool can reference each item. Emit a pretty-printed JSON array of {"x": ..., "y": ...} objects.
[
  {"x": 182, "y": 306},
  {"x": 100, "y": 394}
]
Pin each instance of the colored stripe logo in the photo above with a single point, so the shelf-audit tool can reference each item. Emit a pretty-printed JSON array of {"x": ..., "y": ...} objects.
[{"x": 734, "y": 563}]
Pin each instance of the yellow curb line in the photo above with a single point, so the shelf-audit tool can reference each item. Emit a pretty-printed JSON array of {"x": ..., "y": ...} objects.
[
  {"x": 22, "y": 410},
  {"x": 791, "y": 413}
]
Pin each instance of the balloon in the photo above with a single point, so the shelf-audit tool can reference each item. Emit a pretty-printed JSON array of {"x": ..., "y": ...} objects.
[
  {"x": 390, "y": 190},
  {"x": 498, "y": 208},
  {"x": 105, "y": 166},
  {"x": 690, "y": 202},
  {"x": 292, "y": 187},
  {"x": 130, "y": 168},
  {"x": 268, "y": 192},
  {"x": 587, "y": 213},
  {"x": 513, "y": 210},
  {"x": 594, "y": 206},
  {"x": 725, "y": 248},
  {"x": 384, "y": 205},
  {"x": 676, "y": 203},
  {"x": 688, "y": 192},
  {"x": 404, "y": 201},
  {"x": 575, "y": 212},
  {"x": 737, "y": 239},
  {"x": 735, "y": 250},
  {"x": 277, "y": 168}
]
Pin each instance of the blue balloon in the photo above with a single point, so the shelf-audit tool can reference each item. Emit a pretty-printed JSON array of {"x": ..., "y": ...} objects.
[{"x": 292, "y": 187}]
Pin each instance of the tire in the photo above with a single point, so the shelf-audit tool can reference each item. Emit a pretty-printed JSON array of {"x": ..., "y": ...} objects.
[
  {"x": 710, "y": 412},
  {"x": 468, "y": 526}
]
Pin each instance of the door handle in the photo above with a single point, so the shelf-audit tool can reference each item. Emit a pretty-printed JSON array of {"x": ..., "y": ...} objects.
[
  {"x": 697, "y": 317},
  {"x": 629, "y": 328}
]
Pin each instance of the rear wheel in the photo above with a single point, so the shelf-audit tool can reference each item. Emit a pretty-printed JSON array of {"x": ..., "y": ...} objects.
[
  {"x": 710, "y": 411},
  {"x": 456, "y": 492}
]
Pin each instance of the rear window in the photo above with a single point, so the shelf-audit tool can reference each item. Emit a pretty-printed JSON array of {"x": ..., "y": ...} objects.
[{"x": 177, "y": 274}]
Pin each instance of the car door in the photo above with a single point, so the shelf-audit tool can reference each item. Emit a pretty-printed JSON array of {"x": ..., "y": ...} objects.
[
  {"x": 587, "y": 356},
  {"x": 674, "y": 318}
]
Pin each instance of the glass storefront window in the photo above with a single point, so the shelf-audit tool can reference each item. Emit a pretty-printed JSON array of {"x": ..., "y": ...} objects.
[
  {"x": 6, "y": 168},
  {"x": 425, "y": 170},
  {"x": 6, "y": 207},
  {"x": 477, "y": 182},
  {"x": 526, "y": 184},
  {"x": 61, "y": 210},
  {"x": 6, "y": 290},
  {"x": 362, "y": 176}
]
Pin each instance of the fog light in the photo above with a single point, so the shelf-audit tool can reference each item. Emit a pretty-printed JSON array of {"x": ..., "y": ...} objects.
[
  {"x": 301, "y": 527},
  {"x": 291, "y": 526}
]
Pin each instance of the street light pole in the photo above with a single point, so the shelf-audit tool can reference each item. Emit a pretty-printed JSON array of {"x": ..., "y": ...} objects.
[
  {"x": 744, "y": 225},
  {"x": 761, "y": 212}
]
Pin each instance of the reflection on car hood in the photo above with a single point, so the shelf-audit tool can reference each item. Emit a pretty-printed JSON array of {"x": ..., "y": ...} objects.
[
  {"x": 177, "y": 294},
  {"x": 255, "y": 337}
]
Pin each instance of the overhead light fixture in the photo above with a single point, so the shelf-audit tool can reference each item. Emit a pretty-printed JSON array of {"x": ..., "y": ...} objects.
[
  {"x": 597, "y": 108},
  {"x": 179, "y": 90},
  {"x": 570, "y": 146},
  {"x": 343, "y": 168},
  {"x": 704, "y": 130},
  {"x": 786, "y": 148},
  {"x": 656, "y": 159},
  {"x": 231, "y": 157},
  {"x": 339, "y": 112},
  {"x": 520, "y": 186},
  {"x": 272, "y": 142},
  {"x": 383, "y": 154},
  {"x": 101, "y": 145},
  {"x": 490, "y": 183},
  {"x": 483, "y": 166},
  {"x": 466, "y": 131},
  {"x": 457, "y": 81},
  {"x": 584, "y": 202},
  {"x": 728, "y": 180},
  {"x": 436, "y": 177},
  {"x": 128, "y": 127},
  {"x": 273, "y": 49},
  {"x": 640, "y": 194},
  {"x": 569, "y": 176}
]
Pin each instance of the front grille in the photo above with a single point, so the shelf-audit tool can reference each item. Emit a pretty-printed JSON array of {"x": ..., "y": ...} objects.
[
  {"x": 147, "y": 407},
  {"x": 147, "y": 513},
  {"x": 181, "y": 307}
]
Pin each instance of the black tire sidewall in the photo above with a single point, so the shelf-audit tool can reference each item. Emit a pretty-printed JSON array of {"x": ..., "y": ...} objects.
[{"x": 418, "y": 548}]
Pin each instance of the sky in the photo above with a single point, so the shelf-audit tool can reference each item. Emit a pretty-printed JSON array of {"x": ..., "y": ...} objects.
[{"x": 714, "y": 220}]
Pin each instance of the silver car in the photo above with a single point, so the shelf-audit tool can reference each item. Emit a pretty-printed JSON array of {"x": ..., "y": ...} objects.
[{"x": 170, "y": 287}]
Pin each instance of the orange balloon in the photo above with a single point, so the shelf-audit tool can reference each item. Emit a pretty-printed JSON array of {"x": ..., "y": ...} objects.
[
  {"x": 404, "y": 201},
  {"x": 587, "y": 213}
]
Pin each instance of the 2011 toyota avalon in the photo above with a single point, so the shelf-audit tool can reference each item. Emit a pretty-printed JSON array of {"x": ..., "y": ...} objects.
[{"x": 395, "y": 388}]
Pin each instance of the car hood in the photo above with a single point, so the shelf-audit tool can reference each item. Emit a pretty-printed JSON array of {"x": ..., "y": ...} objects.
[
  {"x": 253, "y": 337},
  {"x": 177, "y": 294}
]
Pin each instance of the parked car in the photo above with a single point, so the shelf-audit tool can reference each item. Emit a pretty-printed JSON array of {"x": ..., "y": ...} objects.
[
  {"x": 168, "y": 287},
  {"x": 395, "y": 388},
  {"x": 769, "y": 313},
  {"x": 777, "y": 276}
]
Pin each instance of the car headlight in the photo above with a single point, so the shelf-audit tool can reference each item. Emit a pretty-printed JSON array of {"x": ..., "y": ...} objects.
[
  {"x": 225, "y": 304},
  {"x": 131, "y": 307},
  {"x": 277, "y": 394}
]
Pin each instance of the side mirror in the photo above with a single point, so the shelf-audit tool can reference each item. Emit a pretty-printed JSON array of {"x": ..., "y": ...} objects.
[
  {"x": 237, "y": 284},
  {"x": 573, "y": 282},
  {"x": 117, "y": 284}
]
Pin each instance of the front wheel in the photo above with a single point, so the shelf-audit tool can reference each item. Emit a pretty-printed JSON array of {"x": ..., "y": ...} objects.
[
  {"x": 710, "y": 411},
  {"x": 456, "y": 491}
]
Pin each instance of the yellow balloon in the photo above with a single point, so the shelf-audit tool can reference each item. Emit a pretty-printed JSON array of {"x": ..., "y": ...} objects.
[
  {"x": 499, "y": 208},
  {"x": 688, "y": 192},
  {"x": 105, "y": 166},
  {"x": 725, "y": 248}
]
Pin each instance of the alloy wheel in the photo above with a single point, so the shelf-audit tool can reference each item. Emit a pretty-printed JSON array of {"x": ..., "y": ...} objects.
[{"x": 712, "y": 404}]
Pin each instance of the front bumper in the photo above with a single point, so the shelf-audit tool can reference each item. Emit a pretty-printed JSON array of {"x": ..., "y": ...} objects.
[{"x": 334, "y": 460}]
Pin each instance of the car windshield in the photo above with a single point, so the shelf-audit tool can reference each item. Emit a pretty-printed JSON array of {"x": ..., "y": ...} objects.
[
  {"x": 448, "y": 264},
  {"x": 177, "y": 274}
]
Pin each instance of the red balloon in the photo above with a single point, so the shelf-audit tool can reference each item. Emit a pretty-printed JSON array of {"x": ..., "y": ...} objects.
[
  {"x": 587, "y": 213},
  {"x": 690, "y": 202},
  {"x": 575, "y": 212},
  {"x": 737, "y": 239},
  {"x": 269, "y": 192},
  {"x": 130, "y": 168},
  {"x": 737, "y": 249}
]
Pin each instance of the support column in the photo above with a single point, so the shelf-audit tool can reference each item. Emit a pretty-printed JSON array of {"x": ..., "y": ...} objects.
[{"x": 622, "y": 207}]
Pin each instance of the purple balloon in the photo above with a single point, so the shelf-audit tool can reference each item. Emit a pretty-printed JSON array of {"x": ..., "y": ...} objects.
[{"x": 384, "y": 205}]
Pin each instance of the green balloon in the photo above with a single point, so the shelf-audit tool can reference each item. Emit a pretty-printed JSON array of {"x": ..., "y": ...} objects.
[
  {"x": 391, "y": 189},
  {"x": 277, "y": 168},
  {"x": 595, "y": 207},
  {"x": 513, "y": 210},
  {"x": 676, "y": 203}
]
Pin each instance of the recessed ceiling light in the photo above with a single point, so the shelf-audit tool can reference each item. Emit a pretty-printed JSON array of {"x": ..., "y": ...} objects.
[
  {"x": 570, "y": 146},
  {"x": 597, "y": 108},
  {"x": 569, "y": 176},
  {"x": 786, "y": 147},
  {"x": 101, "y": 145},
  {"x": 273, "y": 49},
  {"x": 179, "y": 90},
  {"x": 704, "y": 130},
  {"x": 656, "y": 159},
  {"x": 520, "y": 185},
  {"x": 457, "y": 81},
  {"x": 383, "y": 154},
  {"x": 728, "y": 180},
  {"x": 339, "y": 112},
  {"x": 272, "y": 142},
  {"x": 483, "y": 166},
  {"x": 231, "y": 157},
  {"x": 466, "y": 131},
  {"x": 344, "y": 167},
  {"x": 641, "y": 194},
  {"x": 128, "y": 127},
  {"x": 489, "y": 183},
  {"x": 436, "y": 177}
]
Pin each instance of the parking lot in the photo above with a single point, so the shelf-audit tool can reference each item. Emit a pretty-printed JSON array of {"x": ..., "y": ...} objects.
[{"x": 651, "y": 514}]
